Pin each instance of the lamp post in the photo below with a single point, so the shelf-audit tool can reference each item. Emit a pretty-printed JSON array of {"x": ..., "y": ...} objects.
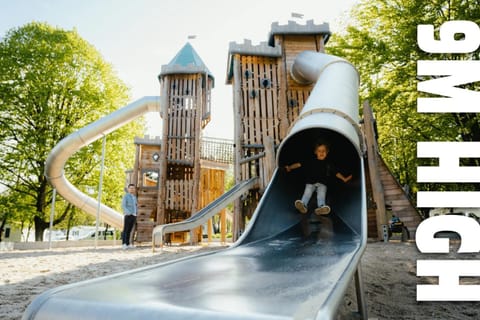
[{"x": 99, "y": 200}]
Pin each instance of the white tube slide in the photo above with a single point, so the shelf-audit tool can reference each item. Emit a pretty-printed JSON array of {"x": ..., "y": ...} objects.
[
  {"x": 54, "y": 166},
  {"x": 332, "y": 107},
  {"x": 333, "y": 102}
]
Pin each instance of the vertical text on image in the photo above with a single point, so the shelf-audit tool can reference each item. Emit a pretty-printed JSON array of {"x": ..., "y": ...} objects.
[{"x": 454, "y": 37}]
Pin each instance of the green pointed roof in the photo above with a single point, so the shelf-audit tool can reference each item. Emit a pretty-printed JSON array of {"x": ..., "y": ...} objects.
[
  {"x": 186, "y": 60},
  {"x": 187, "y": 55}
]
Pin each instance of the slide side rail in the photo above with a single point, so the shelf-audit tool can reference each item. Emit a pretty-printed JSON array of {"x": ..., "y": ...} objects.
[{"x": 204, "y": 214}]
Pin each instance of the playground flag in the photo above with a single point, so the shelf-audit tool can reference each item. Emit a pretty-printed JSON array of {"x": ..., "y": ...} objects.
[{"x": 297, "y": 15}]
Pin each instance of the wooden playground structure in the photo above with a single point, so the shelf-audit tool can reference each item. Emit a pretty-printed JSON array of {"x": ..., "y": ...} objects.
[{"x": 181, "y": 172}]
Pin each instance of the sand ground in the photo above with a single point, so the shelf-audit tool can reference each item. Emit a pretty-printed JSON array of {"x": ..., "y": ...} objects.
[{"x": 389, "y": 272}]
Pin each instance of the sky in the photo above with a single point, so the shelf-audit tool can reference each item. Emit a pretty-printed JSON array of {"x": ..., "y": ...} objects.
[{"x": 138, "y": 37}]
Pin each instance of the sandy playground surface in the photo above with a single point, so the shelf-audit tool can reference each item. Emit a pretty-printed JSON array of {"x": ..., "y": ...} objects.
[{"x": 389, "y": 271}]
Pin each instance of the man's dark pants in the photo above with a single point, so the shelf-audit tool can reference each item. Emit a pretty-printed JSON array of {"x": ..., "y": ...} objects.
[{"x": 128, "y": 223}]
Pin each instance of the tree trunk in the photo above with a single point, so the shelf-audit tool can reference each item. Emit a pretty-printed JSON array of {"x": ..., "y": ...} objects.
[
  {"x": 69, "y": 223},
  {"x": 2, "y": 226},
  {"x": 40, "y": 205},
  {"x": 40, "y": 227},
  {"x": 105, "y": 234}
]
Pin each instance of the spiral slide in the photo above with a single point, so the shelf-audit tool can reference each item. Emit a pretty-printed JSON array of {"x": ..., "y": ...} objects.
[
  {"x": 54, "y": 166},
  {"x": 285, "y": 265}
]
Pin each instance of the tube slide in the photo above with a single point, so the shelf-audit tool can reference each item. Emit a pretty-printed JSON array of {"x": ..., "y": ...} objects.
[
  {"x": 285, "y": 265},
  {"x": 54, "y": 166}
]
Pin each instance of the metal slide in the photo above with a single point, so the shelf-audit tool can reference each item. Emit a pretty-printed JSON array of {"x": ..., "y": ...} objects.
[
  {"x": 54, "y": 166},
  {"x": 285, "y": 265}
]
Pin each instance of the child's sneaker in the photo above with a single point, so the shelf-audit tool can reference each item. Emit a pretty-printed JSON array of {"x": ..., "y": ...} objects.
[
  {"x": 300, "y": 206},
  {"x": 323, "y": 210}
]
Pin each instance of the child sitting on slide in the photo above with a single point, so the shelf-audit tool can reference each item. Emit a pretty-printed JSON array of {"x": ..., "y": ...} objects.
[{"x": 318, "y": 170}]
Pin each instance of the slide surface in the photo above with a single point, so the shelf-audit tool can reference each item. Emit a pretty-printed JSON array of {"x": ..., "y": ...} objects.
[
  {"x": 278, "y": 269},
  {"x": 285, "y": 265}
]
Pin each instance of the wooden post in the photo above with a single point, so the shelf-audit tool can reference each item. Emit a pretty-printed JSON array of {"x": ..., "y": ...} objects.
[
  {"x": 269, "y": 160},
  {"x": 196, "y": 142},
  {"x": 282, "y": 94},
  {"x": 373, "y": 165},
  {"x": 237, "y": 116},
  {"x": 134, "y": 178},
  {"x": 200, "y": 102},
  {"x": 209, "y": 229},
  {"x": 320, "y": 43},
  {"x": 164, "y": 104},
  {"x": 223, "y": 226}
]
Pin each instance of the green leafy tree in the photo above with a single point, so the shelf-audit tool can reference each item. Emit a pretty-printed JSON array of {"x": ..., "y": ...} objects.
[
  {"x": 381, "y": 41},
  {"x": 15, "y": 211},
  {"x": 52, "y": 82}
]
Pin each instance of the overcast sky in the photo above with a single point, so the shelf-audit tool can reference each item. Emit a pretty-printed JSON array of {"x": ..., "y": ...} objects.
[{"x": 138, "y": 37}]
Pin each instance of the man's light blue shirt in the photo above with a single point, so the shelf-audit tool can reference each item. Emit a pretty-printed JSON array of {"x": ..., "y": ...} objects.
[{"x": 129, "y": 204}]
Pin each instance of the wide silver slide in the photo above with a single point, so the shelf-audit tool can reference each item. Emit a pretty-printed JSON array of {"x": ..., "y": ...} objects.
[{"x": 285, "y": 265}]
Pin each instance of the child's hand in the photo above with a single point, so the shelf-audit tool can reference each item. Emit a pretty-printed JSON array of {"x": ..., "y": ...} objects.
[
  {"x": 294, "y": 166},
  {"x": 346, "y": 179}
]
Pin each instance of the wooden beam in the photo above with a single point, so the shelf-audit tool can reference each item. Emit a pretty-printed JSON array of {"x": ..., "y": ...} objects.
[
  {"x": 282, "y": 92},
  {"x": 160, "y": 219},
  {"x": 200, "y": 102},
  {"x": 269, "y": 161},
  {"x": 373, "y": 168},
  {"x": 237, "y": 116}
]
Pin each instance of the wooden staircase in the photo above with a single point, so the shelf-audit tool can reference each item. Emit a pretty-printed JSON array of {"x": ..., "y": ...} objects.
[
  {"x": 385, "y": 195},
  {"x": 398, "y": 200}
]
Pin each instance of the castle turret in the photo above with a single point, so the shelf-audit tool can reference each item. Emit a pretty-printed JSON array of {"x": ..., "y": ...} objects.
[
  {"x": 186, "y": 85},
  {"x": 266, "y": 101}
]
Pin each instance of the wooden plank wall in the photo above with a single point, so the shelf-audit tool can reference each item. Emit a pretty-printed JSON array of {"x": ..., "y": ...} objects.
[
  {"x": 147, "y": 191},
  {"x": 259, "y": 112},
  {"x": 182, "y": 114},
  {"x": 184, "y": 111},
  {"x": 207, "y": 103},
  {"x": 372, "y": 231},
  {"x": 296, "y": 94},
  {"x": 179, "y": 195},
  {"x": 373, "y": 160},
  {"x": 260, "y": 95},
  {"x": 292, "y": 46},
  {"x": 212, "y": 186}
]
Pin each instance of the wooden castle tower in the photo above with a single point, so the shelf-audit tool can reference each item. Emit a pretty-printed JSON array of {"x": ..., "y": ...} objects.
[
  {"x": 266, "y": 101},
  {"x": 173, "y": 174},
  {"x": 185, "y": 86}
]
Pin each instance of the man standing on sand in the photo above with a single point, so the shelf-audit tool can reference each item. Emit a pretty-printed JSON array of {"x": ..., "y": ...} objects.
[{"x": 129, "y": 207}]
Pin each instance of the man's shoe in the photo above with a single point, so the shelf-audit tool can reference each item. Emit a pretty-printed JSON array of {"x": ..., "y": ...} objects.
[
  {"x": 322, "y": 211},
  {"x": 301, "y": 206},
  {"x": 124, "y": 247}
]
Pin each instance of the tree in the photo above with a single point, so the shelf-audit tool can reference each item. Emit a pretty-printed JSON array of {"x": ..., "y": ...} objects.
[
  {"x": 381, "y": 41},
  {"x": 52, "y": 82}
]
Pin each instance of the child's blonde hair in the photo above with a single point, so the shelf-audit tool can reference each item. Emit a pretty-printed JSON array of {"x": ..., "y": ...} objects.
[{"x": 321, "y": 142}]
